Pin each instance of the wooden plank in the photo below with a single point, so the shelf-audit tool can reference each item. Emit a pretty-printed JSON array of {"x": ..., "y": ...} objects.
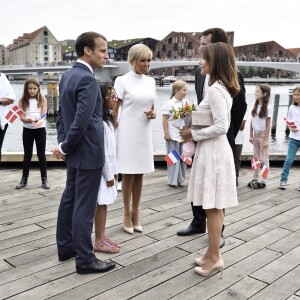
[
  {"x": 84, "y": 287},
  {"x": 278, "y": 267},
  {"x": 281, "y": 288},
  {"x": 243, "y": 289},
  {"x": 287, "y": 243}
]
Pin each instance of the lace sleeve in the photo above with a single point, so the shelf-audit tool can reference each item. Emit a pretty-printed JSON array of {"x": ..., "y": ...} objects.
[{"x": 220, "y": 105}]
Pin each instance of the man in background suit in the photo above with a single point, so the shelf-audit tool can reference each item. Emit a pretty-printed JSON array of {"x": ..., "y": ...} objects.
[
  {"x": 238, "y": 110},
  {"x": 81, "y": 142}
]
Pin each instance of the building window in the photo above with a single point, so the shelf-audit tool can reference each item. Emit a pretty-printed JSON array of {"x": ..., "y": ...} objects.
[
  {"x": 170, "y": 41},
  {"x": 45, "y": 47},
  {"x": 46, "y": 40},
  {"x": 46, "y": 58},
  {"x": 45, "y": 33},
  {"x": 45, "y": 52}
]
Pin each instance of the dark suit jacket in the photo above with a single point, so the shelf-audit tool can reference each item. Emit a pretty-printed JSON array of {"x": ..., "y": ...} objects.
[
  {"x": 238, "y": 109},
  {"x": 79, "y": 120}
]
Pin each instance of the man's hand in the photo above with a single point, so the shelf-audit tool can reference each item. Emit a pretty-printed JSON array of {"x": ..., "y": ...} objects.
[
  {"x": 110, "y": 183},
  {"x": 55, "y": 151}
]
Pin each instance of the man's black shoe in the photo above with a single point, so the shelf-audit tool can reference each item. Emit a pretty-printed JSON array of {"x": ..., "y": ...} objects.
[
  {"x": 66, "y": 256},
  {"x": 97, "y": 266},
  {"x": 191, "y": 230},
  {"x": 222, "y": 241}
]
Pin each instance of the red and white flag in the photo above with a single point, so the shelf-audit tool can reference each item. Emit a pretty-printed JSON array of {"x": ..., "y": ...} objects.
[
  {"x": 187, "y": 160},
  {"x": 255, "y": 163},
  {"x": 291, "y": 124},
  {"x": 264, "y": 171},
  {"x": 14, "y": 113}
]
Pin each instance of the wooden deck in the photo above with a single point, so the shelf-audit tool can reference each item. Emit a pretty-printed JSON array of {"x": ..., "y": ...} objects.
[{"x": 262, "y": 251}]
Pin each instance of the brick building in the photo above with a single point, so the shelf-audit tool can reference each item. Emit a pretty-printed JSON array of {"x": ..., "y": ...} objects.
[
  {"x": 38, "y": 47},
  {"x": 180, "y": 45},
  {"x": 265, "y": 50}
]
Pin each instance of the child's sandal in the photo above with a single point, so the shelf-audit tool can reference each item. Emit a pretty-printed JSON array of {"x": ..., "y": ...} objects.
[
  {"x": 113, "y": 243},
  {"x": 104, "y": 247}
]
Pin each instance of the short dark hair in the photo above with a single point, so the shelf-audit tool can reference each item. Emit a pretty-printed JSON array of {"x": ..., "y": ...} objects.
[
  {"x": 217, "y": 35},
  {"x": 86, "y": 39}
]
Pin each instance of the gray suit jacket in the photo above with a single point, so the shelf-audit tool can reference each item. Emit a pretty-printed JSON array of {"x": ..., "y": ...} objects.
[{"x": 79, "y": 120}]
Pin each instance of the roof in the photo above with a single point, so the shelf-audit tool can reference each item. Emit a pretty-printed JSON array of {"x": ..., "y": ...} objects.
[{"x": 116, "y": 44}]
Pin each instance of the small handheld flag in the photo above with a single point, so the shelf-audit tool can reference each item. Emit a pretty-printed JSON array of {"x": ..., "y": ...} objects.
[
  {"x": 172, "y": 158},
  {"x": 41, "y": 120},
  {"x": 290, "y": 124},
  {"x": 187, "y": 160},
  {"x": 14, "y": 113},
  {"x": 255, "y": 163},
  {"x": 264, "y": 171}
]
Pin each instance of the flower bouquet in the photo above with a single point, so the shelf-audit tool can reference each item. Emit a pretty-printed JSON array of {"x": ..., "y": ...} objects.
[{"x": 182, "y": 117}]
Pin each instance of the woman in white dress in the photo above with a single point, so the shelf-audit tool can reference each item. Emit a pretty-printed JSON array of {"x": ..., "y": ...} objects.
[
  {"x": 137, "y": 94},
  {"x": 212, "y": 182}
]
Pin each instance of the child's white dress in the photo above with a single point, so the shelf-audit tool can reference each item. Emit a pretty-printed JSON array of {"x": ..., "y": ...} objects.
[{"x": 107, "y": 195}]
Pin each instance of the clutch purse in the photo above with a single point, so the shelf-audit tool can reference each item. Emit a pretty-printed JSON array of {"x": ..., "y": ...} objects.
[{"x": 202, "y": 117}]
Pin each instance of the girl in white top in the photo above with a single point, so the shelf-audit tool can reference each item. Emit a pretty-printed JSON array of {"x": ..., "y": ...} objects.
[
  {"x": 260, "y": 127},
  {"x": 176, "y": 172},
  {"x": 107, "y": 191},
  {"x": 294, "y": 138},
  {"x": 34, "y": 104}
]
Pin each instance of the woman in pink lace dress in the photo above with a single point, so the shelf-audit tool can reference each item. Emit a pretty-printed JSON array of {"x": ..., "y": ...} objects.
[{"x": 212, "y": 181}]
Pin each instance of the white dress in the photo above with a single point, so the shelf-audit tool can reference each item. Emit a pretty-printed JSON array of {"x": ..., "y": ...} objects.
[
  {"x": 134, "y": 139},
  {"x": 212, "y": 182},
  {"x": 107, "y": 195}
]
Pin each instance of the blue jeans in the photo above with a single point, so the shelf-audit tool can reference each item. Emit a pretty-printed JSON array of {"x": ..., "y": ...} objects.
[{"x": 292, "y": 150}]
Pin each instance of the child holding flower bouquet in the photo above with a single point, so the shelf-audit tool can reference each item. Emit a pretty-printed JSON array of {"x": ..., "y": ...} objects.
[{"x": 177, "y": 114}]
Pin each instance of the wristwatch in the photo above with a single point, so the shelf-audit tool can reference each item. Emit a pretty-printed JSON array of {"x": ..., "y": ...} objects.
[{"x": 1, "y": 103}]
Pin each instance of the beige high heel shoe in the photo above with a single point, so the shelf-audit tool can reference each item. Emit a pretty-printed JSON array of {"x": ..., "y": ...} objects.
[
  {"x": 138, "y": 228},
  {"x": 128, "y": 229},
  {"x": 219, "y": 265},
  {"x": 199, "y": 261}
]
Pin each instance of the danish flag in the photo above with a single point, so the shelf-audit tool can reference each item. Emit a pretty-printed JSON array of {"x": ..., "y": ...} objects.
[
  {"x": 264, "y": 171},
  {"x": 14, "y": 113},
  {"x": 255, "y": 163},
  {"x": 290, "y": 124},
  {"x": 186, "y": 159}
]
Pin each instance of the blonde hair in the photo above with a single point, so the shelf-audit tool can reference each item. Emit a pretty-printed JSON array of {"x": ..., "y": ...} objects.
[
  {"x": 139, "y": 52},
  {"x": 177, "y": 85}
]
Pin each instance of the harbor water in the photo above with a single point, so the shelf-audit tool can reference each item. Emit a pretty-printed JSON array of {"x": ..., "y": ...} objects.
[{"x": 13, "y": 138}]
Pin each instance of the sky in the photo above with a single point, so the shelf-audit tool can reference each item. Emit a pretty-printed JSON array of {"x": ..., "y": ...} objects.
[{"x": 252, "y": 21}]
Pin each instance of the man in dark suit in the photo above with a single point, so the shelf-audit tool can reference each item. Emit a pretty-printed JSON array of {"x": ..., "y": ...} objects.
[
  {"x": 81, "y": 143},
  {"x": 238, "y": 110}
]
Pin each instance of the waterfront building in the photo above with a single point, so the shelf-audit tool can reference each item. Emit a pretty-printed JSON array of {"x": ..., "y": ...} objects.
[
  {"x": 4, "y": 58},
  {"x": 118, "y": 49},
  {"x": 296, "y": 52},
  {"x": 180, "y": 45},
  {"x": 68, "y": 50},
  {"x": 264, "y": 51},
  {"x": 38, "y": 47}
]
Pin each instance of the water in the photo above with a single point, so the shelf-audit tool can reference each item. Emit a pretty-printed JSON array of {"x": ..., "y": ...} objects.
[{"x": 13, "y": 138}]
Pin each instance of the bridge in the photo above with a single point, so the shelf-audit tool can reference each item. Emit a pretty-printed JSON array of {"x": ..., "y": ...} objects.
[{"x": 117, "y": 68}]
